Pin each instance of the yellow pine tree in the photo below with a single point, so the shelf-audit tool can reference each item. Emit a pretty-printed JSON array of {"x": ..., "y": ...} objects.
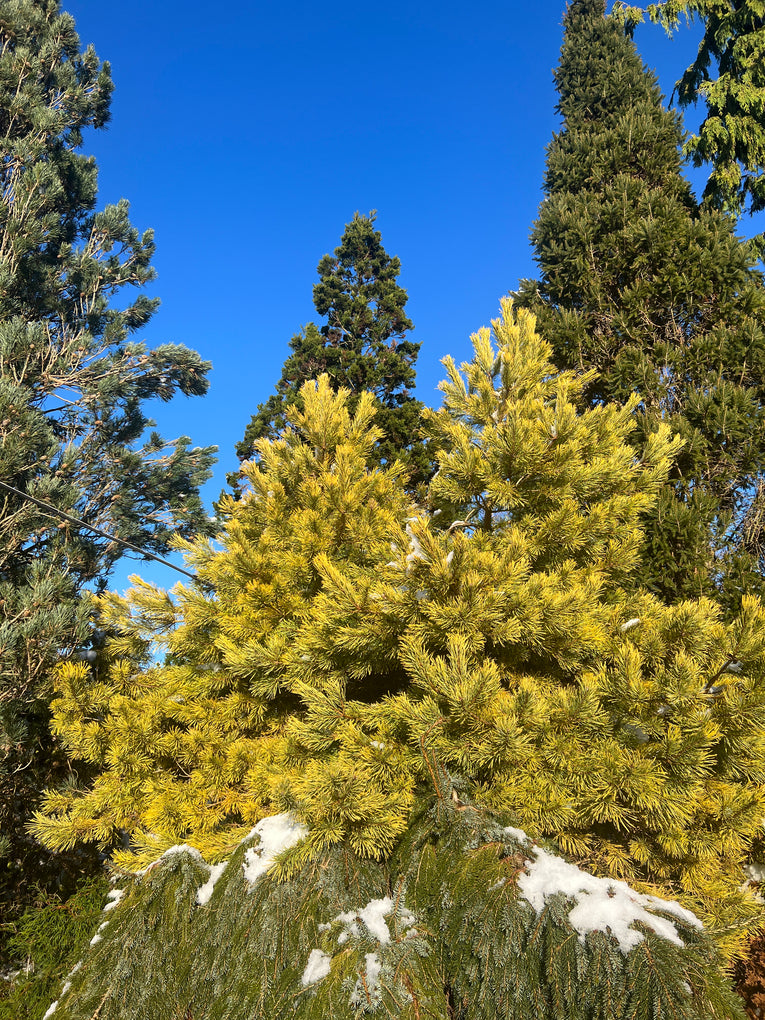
[{"x": 347, "y": 652}]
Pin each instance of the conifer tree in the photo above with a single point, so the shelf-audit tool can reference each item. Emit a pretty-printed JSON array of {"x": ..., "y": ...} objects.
[
  {"x": 72, "y": 386},
  {"x": 658, "y": 295},
  {"x": 362, "y": 346},
  {"x": 347, "y": 654},
  {"x": 731, "y": 137}
]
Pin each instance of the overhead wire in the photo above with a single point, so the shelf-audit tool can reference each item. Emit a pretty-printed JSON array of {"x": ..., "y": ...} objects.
[{"x": 98, "y": 531}]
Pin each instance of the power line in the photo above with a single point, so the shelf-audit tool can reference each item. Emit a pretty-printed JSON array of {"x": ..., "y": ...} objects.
[{"x": 104, "y": 534}]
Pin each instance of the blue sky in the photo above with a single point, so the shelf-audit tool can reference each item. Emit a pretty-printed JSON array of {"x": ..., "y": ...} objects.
[{"x": 248, "y": 135}]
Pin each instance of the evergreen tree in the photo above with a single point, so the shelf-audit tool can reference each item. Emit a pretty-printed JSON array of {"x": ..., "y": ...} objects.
[
  {"x": 72, "y": 385},
  {"x": 732, "y": 135},
  {"x": 657, "y": 295},
  {"x": 467, "y": 919},
  {"x": 361, "y": 346},
  {"x": 348, "y": 655}
]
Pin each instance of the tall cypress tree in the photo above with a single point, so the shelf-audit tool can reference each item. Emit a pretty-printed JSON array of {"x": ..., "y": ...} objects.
[
  {"x": 72, "y": 387},
  {"x": 361, "y": 346},
  {"x": 659, "y": 296}
]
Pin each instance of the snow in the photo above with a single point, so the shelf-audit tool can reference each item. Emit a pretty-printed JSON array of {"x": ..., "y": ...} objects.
[
  {"x": 180, "y": 848},
  {"x": 69, "y": 976},
  {"x": 113, "y": 898},
  {"x": 630, "y": 624},
  {"x": 183, "y": 848},
  {"x": 316, "y": 968},
  {"x": 373, "y": 968},
  {"x": 362, "y": 994},
  {"x": 51, "y": 1010},
  {"x": 601, "y": 904},
  {"x": 416, "y": 552},
  {"x": 204, "y": 892},
  {"x": 756, "y": 871},
  {"x": 372, "y": 916},
  {"x": 517, "y": 834},
  {"x": 277, "y": 833}
]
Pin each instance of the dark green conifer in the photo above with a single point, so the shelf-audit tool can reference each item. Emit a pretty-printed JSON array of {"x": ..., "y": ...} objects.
[
  {"x": 661, "y": 298},
  {"x": 72, "y": 385},
  {"x": 361, "y": 346}
]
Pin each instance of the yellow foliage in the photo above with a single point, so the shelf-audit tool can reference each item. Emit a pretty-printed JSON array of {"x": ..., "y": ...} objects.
[{"x": 345, "y": 649}]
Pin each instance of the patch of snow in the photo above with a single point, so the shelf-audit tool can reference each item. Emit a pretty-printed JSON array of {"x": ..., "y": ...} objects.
[
  {"x": 204, "y": 892},
  {"x": 518, "y": 834},
  {"x": 316, "y": 968},
  {"x": 373, "y": 968},
  {"x": 371, "y": 916},
  {"x": 756, "y": 871},
  {"x": 277, "y": 833},
  {"x": 351, "y": 928},
  {"x": 183, "y": 848},
  {"x": 361, "y": 994},
  {"x": 630, "y": 624},
  {"x": 449, "y": 557},
  {"x": 112, "y": 898},
  {"x": 498, "y": 885},
  {"x": 68, "y": 979},
  {"x": 377, "y": 743},
  {"x": 416, "y": 552},
  {"x": 51, "y": 1010},
  {"x": 324, "y": 927},
  {"x": 98, "y": 936},
  {"x": 601, "y": 904}
]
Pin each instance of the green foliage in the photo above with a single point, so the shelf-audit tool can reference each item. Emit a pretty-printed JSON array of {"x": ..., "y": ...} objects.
[
  {"x": 72, "y": 386},
  {"x": 458, "y": 941},
  {"x": 728, "y": 75},
  {"x": 346, "y": 651},
  {"x": 656, "y": 294},
  {"x": 361, "y": 346},
  {"x": 49, "y": 940}
]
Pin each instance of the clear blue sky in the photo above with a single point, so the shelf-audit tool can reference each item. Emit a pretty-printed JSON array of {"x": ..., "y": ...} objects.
[{"x": 248, "y": 134}]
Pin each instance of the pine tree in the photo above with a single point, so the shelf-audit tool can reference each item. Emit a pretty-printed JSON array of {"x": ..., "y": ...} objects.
[
  {"x": 72, "y": 385},
  {"x": 362, "y": 346},
  {"x": 657, "y": 294},
  {"x": 347, "y": 654}
]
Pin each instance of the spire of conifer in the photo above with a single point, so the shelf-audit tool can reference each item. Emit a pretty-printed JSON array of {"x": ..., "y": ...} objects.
[{"x": 660, "y": 298}]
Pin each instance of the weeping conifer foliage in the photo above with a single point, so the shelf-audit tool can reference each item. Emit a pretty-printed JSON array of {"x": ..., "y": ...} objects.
[
  {"x": 348, "y": 652},
  {"x": 442, "y": 929},
  {"x": 660, "y": 297}
]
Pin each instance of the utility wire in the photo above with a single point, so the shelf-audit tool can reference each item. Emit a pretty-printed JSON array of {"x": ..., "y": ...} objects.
[{"x": 104, "y": 534}]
